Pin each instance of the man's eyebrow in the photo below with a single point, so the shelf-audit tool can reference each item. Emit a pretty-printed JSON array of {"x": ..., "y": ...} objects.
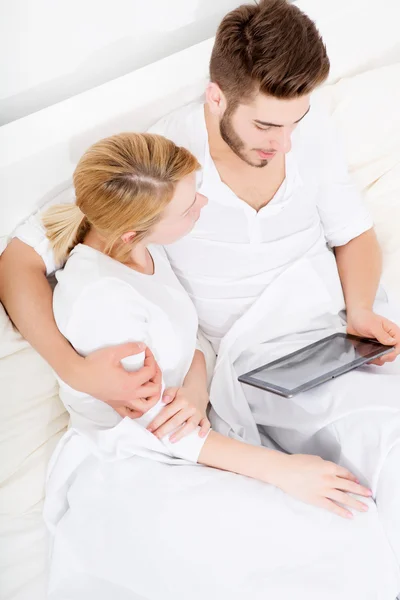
[
  {"x": 185, "y": 211},
  {"x": 275, "y": 125}
]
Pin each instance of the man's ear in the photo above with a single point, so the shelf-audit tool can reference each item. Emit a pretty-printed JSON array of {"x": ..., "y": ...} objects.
[
  {"x": 128, "y": 236},
  {"x": 215, "y": 99}
]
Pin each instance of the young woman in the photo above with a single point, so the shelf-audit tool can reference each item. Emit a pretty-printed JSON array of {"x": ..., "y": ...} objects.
[{"x": 110, "y": 475}]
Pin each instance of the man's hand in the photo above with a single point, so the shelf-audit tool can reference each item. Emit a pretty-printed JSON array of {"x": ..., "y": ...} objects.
[
  {"x": 129, "y": 393},
  {"x": 366, "y": 323},
  {"x": 184, "y": 406}
]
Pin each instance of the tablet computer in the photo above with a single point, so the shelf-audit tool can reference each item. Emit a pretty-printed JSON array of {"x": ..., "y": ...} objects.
[{"x": 306, "y": 368}]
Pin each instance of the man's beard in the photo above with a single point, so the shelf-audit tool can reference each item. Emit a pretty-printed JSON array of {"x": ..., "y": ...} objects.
[{"x": 234, "y": 142}]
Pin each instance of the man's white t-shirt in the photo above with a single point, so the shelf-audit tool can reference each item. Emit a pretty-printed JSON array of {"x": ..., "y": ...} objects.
[{"x": 234, "y": 252}]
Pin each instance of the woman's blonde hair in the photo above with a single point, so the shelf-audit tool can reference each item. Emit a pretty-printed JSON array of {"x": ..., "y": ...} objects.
[{"x": 122, "y": 183}]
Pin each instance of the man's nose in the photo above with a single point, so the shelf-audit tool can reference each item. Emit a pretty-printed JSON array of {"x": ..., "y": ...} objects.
[{"x": 283, "y": 140}]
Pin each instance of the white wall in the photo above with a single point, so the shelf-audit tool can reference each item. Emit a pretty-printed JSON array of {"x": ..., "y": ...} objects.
[{"x": 51, "y": 50}]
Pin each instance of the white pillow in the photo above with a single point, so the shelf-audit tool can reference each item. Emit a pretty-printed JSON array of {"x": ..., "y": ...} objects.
[
  {"x": 32, "y": 419},
  {"x": 366, "y": 111},
  {"x": 359, "y": 34}
]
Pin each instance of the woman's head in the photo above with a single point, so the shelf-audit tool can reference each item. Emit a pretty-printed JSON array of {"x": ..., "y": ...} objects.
[{"x": 130, "y": 188}]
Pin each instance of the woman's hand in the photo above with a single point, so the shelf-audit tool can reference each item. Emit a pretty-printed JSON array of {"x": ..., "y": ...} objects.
[
  {"x": 321, "y": 483},
  {"x": 185, "y": 408}
]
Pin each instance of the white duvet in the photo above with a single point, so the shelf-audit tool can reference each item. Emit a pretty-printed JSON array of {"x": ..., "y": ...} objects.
[{"x": 172, "y": 531}]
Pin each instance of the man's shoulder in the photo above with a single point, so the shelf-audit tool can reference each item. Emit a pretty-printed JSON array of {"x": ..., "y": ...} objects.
[{"x": 185, "y": 126}]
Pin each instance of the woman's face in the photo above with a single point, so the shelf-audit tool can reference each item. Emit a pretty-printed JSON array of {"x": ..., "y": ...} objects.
[{"x": 180, "y": 215}]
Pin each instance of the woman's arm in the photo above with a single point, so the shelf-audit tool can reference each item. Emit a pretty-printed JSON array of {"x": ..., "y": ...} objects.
[
  {"x": 308, "y": 478},
  {"x": 27, "y": 297}
]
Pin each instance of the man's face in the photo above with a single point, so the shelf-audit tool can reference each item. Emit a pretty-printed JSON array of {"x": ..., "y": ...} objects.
[{"x": 256, "y": 132}]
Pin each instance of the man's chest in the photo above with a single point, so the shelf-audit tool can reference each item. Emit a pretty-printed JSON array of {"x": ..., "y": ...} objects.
[{"x": 254, "y": 186}]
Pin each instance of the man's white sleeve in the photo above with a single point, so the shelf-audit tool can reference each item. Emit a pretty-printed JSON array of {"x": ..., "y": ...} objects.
[
  {"x": 32, "y": 232},
  {"x": 342, "y": 210}
]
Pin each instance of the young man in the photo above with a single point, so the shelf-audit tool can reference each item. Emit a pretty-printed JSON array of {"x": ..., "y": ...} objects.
[{"x": 283, "y": 222}]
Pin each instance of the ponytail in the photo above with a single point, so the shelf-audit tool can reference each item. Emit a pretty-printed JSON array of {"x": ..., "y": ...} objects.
[{"x": 66, "y": 226}]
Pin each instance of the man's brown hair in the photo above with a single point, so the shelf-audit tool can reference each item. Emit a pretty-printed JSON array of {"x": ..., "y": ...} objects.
[{"x": 269, "y": 47}]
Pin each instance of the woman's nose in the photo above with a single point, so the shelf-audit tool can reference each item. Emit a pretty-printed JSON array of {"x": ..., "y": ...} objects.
[{"x": 203, "y": 200}]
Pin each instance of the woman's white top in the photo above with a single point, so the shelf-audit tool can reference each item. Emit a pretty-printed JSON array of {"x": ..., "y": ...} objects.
[{"x": 100, "y": 302}]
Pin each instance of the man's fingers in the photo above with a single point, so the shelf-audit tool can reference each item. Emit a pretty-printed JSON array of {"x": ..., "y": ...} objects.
[
  {"x": 158, "y": 375},
  {"x": 386, "y": 358},
  {"x": 128, "y": 349},
  {"x": 391, "y": 356},
  {"x": 139, "y": 404},
  {"x": 148, "y": 390},
  {"x": 121, "y": 410},
  {"x": 392, "y": 329},
  {"x": 125, "y": 411},
  {"x": 139, "y": 377},
  {"x": 387, "y": 333}
]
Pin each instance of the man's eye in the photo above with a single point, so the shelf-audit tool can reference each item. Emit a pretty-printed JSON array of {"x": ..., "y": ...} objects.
[{"x": 262, "y": 128}]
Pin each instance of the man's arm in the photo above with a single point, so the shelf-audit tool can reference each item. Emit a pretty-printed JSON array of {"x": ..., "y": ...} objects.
[
  {"x": 27, "y": 297},
  {"x": 360, "y": 265},
  {"x": 348, "y": 228}
]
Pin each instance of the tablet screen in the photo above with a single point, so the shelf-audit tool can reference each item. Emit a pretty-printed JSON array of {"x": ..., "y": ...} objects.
[{"x": 335, "y": 354}]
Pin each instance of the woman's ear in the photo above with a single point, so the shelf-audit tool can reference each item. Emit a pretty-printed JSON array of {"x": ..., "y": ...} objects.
[{"x": 128, "y": 236}]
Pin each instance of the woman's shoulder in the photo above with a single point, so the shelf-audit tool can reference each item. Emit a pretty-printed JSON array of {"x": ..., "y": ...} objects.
[
  {"x": 90, "y": 278},
  {"x": 84, "y": 268}
]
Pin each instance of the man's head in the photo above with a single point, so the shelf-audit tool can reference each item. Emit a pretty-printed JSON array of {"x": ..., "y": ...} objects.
[{"x": 266, "y": 61}]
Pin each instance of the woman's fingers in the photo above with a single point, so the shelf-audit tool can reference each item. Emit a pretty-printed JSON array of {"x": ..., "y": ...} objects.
[
  {"x": 350, "y": 486},
  {"x": 205, "y": 427},
  {"x": 335, "y": 508},
  {"x": 176, "y": 421},
  {"x": 164, "y": 415},
  {"x": 344, "y": 473},
  {"x": 189, "y": 426},
  {"x": 347, "y": 500}
]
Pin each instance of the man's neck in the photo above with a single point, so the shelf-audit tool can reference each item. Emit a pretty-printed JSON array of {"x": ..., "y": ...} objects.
[
  {"x": 219, "y": 150},
  {"x": 256, "y": 187}
]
